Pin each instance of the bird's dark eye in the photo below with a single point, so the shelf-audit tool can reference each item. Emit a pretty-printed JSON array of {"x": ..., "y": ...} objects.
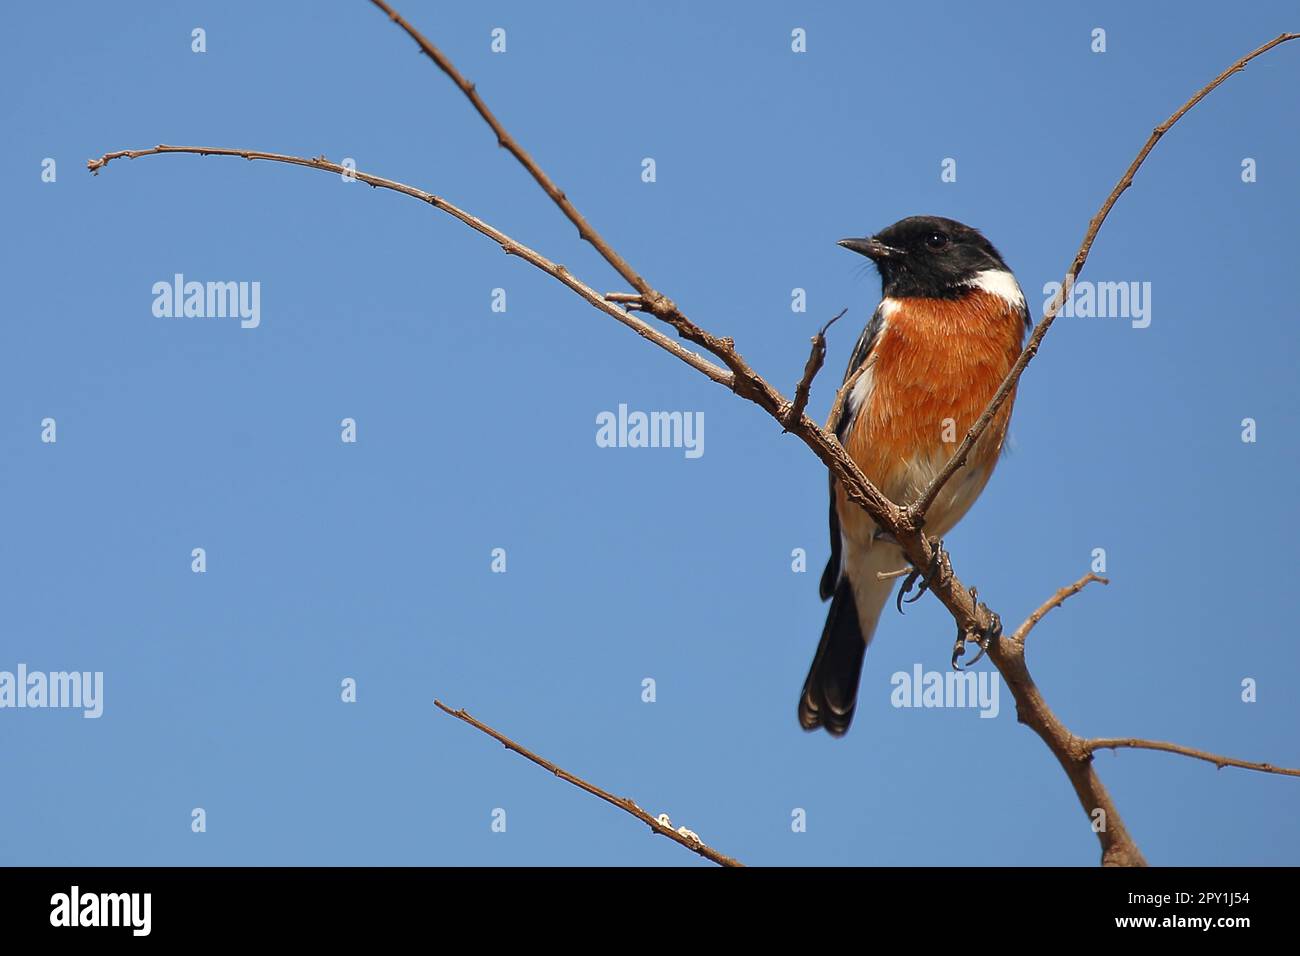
[{"x": 936, "y": 241}]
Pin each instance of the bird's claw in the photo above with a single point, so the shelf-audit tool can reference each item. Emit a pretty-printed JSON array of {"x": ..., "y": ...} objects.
[
  {"x": 937, "y": 556},
  {"x": 986, "y": 637}
]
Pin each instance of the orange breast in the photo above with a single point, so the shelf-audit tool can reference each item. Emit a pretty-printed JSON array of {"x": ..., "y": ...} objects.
[{"x": 936, "y": 365}]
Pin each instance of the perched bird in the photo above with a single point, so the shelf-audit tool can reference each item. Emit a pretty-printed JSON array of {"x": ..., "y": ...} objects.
[{"x": 949, "y": 327}]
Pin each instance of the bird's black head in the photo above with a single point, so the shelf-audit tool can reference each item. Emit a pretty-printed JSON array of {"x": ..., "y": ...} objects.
[{"x": 928, "y": 256}]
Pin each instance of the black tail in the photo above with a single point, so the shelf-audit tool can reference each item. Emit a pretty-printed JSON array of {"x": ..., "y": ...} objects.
[{"x": 830, "y": 693}]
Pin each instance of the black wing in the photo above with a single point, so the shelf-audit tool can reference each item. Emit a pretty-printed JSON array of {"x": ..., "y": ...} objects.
[{"x": 866, "y": 341}]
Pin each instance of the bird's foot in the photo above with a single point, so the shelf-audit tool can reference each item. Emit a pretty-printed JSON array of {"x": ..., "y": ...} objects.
[
  {"x": 985, "y": 638},
  {"x": 938, "y": 556}
]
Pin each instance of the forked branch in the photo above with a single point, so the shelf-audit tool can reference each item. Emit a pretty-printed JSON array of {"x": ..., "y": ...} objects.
[{"x": 904, "y": 522}]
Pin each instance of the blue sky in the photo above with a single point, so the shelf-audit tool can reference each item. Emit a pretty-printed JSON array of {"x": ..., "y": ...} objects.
[{"x": 476, "y": 430}]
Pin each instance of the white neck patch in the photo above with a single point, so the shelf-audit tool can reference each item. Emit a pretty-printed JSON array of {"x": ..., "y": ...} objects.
[{"x": 1001, "y": 283}]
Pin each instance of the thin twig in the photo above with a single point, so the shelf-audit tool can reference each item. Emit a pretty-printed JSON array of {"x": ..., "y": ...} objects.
[
  {"x": 625, "y": 804},
  {"x": 1055, "y": 601},
  {"x": 511, "y": 246},
  {"x": 958, "y": 460},
  {"x": 745, "y": 382},
  {"x": 1220, "y": 761},
  {"x": 816, "y": 358},
  {"x": 843, "y": 393},
  {"x": 653, "y": 301},
  {"x": 508, "y": 142}
]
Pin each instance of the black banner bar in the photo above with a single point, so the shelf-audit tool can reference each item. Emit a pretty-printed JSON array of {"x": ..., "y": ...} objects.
[{"x": 368, "y": 904}]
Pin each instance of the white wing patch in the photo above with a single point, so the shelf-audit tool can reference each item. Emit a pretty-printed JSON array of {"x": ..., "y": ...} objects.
[
  {"x": 865, "y": 383},
  {"x": 862, "y": 387}
]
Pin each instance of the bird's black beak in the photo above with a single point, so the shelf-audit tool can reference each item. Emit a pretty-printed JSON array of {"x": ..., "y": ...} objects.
[{"x": 871, "y": 248}]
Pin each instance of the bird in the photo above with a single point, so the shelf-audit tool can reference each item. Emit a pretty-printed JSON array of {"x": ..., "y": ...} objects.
[{"x": 950, "y": 325}]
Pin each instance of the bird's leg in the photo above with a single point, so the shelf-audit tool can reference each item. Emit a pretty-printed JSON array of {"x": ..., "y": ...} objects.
[
  {"x": 937, "y": 558},
  {"x": 986, "y": 637}
]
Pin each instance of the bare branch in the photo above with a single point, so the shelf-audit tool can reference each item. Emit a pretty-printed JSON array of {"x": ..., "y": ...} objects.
[
  {"x": 511, "y": 246},
  {"x": 508, "y": 142},
  {"x": 1116, "y": 743},
  {"x": 973, "y": 618},
  {"x": 742, "y": 379},
  {"x": 1008, "y": 385},
  {"x": 1055, "y": 601},
  {"x": 816, "y": 359},
  {"x": 1118, "y": 847},
  {"x": 748, "y": 385},
  {"x": 745, "y": 382},
  {"x": 625, "y": 804}
]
